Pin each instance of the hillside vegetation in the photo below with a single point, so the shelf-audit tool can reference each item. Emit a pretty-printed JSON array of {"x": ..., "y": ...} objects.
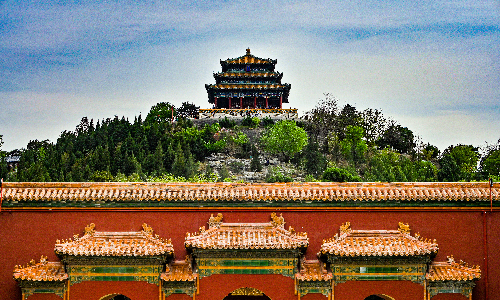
[{"x": 330, "y": 143}]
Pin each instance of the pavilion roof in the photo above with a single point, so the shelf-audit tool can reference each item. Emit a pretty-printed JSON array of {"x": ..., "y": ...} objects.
[
  {"x": 41, "y": 271},
  {"x": 95, "y": 243},
  {"x": 179, "y": 270},
  {"x": 248, "y": 74},
  {"x": 270, "y": 235},
  {"x": 281, "y": 192},
  {"x": 233, "y": 86},
  {"x": 451, "y": 270},
  {"x": 249, "y": 59},
  {"x": 313, "y": 270},
  {"x": 378, "y": 243}
]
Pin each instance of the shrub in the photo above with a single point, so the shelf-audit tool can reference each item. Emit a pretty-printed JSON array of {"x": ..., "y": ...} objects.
[
  {"x": 267, "y": 121},
  {"x": 276, "y": 174},
  {"x": 226, "y": 123},
  {"x": 224, "y": 173},
  {"x": 101, "y": 176},
  {"x": 250, "y": 122},
  {"x": 334, "y": 174},
  {"x": 237, "y": 167}
]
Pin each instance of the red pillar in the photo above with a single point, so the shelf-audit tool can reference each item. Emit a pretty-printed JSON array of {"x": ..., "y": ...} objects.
[
  {"x": 255, "y": 102},
  {"x": 281, "y": 101},
  {"x": 215, "y": 102},
  {"x": 266, "y": 103},
  {"x": 229, "y": 102},
  {"x": 241, "y": 102}
]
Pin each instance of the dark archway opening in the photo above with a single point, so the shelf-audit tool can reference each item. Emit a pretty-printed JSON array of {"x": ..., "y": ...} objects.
[
  {"x": 245, "y": 297},
  {"x": 120, "y": 297},
  {"x": 378, "y": 297},
  {"x": 115, "y": 297}
]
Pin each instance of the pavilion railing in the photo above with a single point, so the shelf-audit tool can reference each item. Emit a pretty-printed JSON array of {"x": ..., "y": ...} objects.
[{"x": 245, "y": 112}]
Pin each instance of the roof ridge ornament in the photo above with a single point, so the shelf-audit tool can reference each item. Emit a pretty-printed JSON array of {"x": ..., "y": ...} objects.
[
  {"x": 345, "y": 228},
  {"x": 148, "y": 230},
  {"x": 248, "y": 51},
  {"x": 277, "y": 221},
  {"x": 215, "y": 221},
  {"x": 451, "y": 259},
  {"x": 404, "y": 228},
  {"x": 90, "y": 229}
]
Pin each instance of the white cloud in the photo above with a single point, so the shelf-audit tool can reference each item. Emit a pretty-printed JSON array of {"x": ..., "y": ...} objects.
[{"x": 409, "y": 59}]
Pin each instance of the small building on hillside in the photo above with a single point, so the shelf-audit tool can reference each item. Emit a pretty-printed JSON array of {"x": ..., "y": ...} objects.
[{"x": 247, "y": 83}]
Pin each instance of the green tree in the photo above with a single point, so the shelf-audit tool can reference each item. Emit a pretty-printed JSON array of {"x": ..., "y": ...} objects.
[
  {"x": 255, "y": 164},
  {"x": 315, "y": 161},
  {"x": 458, "y": 163},
  {"x": 399, "y": 138},
  {"x": 188, "y": 110},
  {"x": 285, "y": 138},
  {"x": 160, "y": 113},
  {"x": 3, "y": 163},
  {"x": 349, "y": 116},
  {"x": 353, "y": 147},
  {"x": 158, "y": 160},
  {"x": 386, "y": 166},
  {"x": 490, "y": 162},
  {"x": 322, "y": 119}
]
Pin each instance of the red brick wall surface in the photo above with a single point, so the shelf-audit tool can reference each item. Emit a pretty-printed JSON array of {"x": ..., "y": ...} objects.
[{"x": 27, "y": 235}]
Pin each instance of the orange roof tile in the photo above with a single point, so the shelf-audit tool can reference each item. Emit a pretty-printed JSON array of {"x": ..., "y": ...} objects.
[
  {"x": 313, "y": 270},
  {"x": 42, "y": 271},
  {"x": 270, "y": 235},
  {"x": 313, "y": 191},
  {"x": 378, "y": 243},
  {"x": 451, "y": 270},
  {"x": 179, "y": 271},
  {"x": 95, "y": 243}
]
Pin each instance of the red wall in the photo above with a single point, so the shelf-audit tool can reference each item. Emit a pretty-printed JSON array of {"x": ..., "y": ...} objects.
[
  {"x": 399, "y": 290},
  {"x": 27, "y": 235},
  {"x": 276, "y": 287},
  {"x": 95, "y": 290}
]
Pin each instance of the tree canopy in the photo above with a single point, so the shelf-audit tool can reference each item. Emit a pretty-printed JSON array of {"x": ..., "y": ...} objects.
[
  {"x": 332, "y": 143},
  {"x": 284, "y": 137}
]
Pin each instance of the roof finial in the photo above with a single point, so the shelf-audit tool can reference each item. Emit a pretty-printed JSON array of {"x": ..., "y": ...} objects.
[
  {"x": 248, "y": 51},
  {"x": 404, "y": 228}
]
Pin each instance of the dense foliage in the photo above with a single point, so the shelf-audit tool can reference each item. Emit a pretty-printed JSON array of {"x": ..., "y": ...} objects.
[{"x": 331, "y": 143}]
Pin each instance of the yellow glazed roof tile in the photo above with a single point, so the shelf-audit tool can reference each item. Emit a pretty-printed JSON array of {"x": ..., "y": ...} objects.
[
  {"x": 41, "y": 271},
  {"x": 313, "y": 270},
  {"x": 378, "y": 243},
  {"x": 272, "y": 235},
  {"x": 451, "y": 270},
  {"x": 179, "y": 271},
  {"x": 315, "y": 191},
  {"x": 95, "y": 243}
]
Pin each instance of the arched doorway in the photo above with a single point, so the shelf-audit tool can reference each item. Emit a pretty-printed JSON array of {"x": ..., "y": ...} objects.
[
  {"x": 246, "y": 293},
  {"x": 379, "y": 297},
  {"x": 115, "y": 297}
]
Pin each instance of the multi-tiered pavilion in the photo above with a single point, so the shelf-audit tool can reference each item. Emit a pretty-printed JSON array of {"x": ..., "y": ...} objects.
[{"x": 248, "y": 82}]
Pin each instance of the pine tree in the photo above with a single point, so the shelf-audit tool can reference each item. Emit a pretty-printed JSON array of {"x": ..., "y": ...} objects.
[
  {"x": 179, "y": 165},
  {"x": 255, "y": 164}
]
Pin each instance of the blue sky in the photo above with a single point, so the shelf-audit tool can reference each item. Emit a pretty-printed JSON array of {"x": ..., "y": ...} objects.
[{"x": 433, "y": 66}]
